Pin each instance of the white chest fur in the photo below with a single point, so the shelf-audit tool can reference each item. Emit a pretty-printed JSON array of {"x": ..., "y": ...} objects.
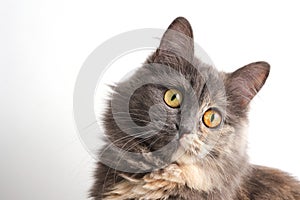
[{"x": 160, "y": 184}]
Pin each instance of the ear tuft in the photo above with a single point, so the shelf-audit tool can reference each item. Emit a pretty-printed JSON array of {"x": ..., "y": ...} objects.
[
  {"x": 243, "y": 84},
  {"x": 177, "y": 44},
  {"x": 182, "y": 25}
]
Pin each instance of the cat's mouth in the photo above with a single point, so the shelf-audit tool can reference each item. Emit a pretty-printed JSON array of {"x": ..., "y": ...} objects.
[
  {"x": 190, "y": 148},
  {"x": 190, "y": 142},
  {"x": 186, "y": 139}
]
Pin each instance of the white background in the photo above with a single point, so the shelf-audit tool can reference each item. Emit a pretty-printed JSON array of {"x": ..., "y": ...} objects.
[{"x": 44, "y": 43}]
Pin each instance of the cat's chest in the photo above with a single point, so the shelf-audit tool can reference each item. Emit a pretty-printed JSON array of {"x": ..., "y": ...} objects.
[{"x": 160, "y": 184}]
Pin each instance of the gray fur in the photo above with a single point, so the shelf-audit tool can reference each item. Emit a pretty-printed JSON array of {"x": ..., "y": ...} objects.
[{"x": 138, "y": 121}]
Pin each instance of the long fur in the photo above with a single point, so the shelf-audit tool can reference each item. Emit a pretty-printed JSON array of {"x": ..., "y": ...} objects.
[{"x": 199, "y": 162}]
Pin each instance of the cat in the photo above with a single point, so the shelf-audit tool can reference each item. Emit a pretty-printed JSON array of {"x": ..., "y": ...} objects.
[{"x": 176, "y": 129}]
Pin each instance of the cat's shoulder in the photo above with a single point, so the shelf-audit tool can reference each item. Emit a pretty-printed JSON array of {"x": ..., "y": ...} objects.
[{"x": 268, "y": 183}]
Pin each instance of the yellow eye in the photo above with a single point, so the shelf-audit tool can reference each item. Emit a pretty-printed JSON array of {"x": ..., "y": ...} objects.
[
  {"x": 212, "y": 118},
  {"x": 173, "y": 98}
]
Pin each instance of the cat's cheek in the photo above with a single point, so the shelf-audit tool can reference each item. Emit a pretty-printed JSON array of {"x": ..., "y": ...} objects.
[{"x": 203, "y": 132}]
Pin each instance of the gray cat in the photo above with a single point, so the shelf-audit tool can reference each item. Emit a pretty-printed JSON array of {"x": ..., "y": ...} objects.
[{"x": 176, "y": 130}]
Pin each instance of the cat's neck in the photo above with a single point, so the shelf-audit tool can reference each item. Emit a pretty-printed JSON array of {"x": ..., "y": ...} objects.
[
  {"x": 210, "y": 175},
  {"x": 219, "y": 178}
]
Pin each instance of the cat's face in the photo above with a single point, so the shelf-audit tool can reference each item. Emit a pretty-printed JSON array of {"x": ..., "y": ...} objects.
[{"x": 180, "y": 107}]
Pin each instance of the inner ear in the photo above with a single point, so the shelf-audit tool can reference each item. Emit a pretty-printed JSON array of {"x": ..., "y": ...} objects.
[
  {"x": 243, "y": 84},
  {"x": 177, "y": 43}
]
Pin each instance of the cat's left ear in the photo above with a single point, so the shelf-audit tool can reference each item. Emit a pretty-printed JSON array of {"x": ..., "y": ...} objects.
[
  {"x": 177, "y": 42},
  {"x": 243, "y": 84}
]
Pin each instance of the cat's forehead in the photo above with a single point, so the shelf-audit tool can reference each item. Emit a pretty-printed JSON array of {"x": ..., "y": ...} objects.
[{"x": 192, "y": 76}]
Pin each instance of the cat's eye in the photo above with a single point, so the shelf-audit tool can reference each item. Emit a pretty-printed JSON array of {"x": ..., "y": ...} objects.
[
  {"x": 212, "y": 118},
  {"x": 173, "y": 98}
]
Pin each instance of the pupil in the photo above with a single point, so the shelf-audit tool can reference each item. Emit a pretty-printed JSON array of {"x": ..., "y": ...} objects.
[
  {"x": 212, "y": 117},
  {"x": 173, "y": 97}
]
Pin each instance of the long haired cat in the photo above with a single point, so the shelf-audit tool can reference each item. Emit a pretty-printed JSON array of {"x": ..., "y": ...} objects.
[{"x": 176, "y": 130}]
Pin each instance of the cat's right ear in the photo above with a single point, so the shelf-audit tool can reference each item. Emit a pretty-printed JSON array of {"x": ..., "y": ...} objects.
[
  {"x": 243, "y": 84},
  {"x": 177, "y": 42}
]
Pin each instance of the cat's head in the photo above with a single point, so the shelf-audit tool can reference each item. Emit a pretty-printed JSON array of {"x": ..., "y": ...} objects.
[{"x": 179, "y": 109}]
